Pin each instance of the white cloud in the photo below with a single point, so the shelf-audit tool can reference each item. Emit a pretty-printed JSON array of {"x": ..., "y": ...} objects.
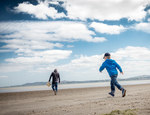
[
  {"x": 34, "y": 60},
  {"x": 133, "y": 53},
  {"x": 145, "y": 27},
  {"x": 48, "y": 31},
  {"x": 13, "y": 67},
  {"x": 106, "y": 9},
  {"x": 92, "y": 9},
  {"x": 82, "y": 68},
  {"x": 97, "y": 39},
  {"x": 108, "y": 29},
  {"x": 41, "y": 10},
  {"x": 29, "y": 44},
  {"x": 3, "y": 76},
  {"x": 41, "y": 57}
]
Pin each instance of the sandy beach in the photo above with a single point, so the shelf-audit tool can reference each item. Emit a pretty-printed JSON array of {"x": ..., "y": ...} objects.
[{"x": 81, "y": 101}]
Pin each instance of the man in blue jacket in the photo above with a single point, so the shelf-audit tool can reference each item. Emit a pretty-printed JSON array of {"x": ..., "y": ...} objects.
[{"x": 111, "y": 67}]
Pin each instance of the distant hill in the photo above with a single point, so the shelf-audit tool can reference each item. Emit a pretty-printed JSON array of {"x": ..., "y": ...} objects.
[{"x": 143, "y": 77}]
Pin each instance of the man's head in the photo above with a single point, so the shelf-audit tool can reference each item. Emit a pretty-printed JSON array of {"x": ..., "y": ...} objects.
[
  {"x": 55, "y": 70},
  {"x": 106, "y": 56}
]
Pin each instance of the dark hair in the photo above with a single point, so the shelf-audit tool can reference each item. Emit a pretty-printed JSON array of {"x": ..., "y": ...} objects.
[
  {"x": 107, "y": 55},
  {"x": 55, "y": 70}
]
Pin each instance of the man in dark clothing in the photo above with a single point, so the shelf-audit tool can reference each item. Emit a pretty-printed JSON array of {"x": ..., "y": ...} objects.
[{"x": 55, "y": 80}]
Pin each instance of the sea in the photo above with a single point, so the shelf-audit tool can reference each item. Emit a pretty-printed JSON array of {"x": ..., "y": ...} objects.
[{"x": 69, "y": 86}]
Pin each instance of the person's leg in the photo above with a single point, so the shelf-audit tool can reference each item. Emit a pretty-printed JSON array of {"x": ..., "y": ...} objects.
[
  {"x": 114, "y": 79},
  {"x": 56, "y": 87},
  {"x": 53, "y": 86},
  {"x": 55, "y": 91},
  {"x": 119, "y": 86},
  {"x": 112, "y": 86}
]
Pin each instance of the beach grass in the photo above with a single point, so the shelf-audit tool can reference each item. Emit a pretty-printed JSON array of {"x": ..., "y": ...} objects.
[{"x": 124, "y": 112}]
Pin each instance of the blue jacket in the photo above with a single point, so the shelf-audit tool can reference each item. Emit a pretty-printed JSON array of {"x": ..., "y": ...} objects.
[{"x": 110, "y": 66}]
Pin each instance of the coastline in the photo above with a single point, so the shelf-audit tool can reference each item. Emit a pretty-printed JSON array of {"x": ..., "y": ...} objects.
[{"x": 69, "y": 86}]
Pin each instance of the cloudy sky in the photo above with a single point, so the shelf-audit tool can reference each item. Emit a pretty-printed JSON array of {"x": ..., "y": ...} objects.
[{"x": 72, "y": 36}]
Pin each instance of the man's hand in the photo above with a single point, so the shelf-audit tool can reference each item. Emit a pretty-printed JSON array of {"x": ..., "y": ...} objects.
[{"x": 122, "y": 73}]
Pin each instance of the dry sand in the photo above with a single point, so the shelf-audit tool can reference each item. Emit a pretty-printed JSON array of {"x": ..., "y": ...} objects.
[{"x": 83, "y": 101}]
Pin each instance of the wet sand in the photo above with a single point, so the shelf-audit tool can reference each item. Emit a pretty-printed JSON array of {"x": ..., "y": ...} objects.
[{"x": 81, "y": 101}]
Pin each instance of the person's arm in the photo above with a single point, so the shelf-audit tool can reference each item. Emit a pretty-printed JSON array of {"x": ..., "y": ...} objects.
[
  {"x": 50, "y": 77},
  {"x": 59, "y": 78},
  {"x": 119, "y": 67},
  {"x": 102, "y": 67}
]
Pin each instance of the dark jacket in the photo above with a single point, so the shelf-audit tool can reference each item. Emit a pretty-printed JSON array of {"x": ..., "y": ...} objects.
[{"x": 55, "y": 77}]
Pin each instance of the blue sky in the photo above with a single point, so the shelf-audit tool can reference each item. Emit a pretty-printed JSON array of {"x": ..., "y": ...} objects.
[{"x": 38, "y": 36}]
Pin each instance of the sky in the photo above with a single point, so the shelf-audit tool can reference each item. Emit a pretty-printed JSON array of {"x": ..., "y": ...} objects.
[{"x": 37, "y": 36}]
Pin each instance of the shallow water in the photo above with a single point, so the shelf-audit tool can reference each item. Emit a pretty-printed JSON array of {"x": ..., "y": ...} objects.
[{"x": 68, "y": 86}]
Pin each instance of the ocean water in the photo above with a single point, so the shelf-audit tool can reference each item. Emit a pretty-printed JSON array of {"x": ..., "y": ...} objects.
[{"x": 68, "y": 86}]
